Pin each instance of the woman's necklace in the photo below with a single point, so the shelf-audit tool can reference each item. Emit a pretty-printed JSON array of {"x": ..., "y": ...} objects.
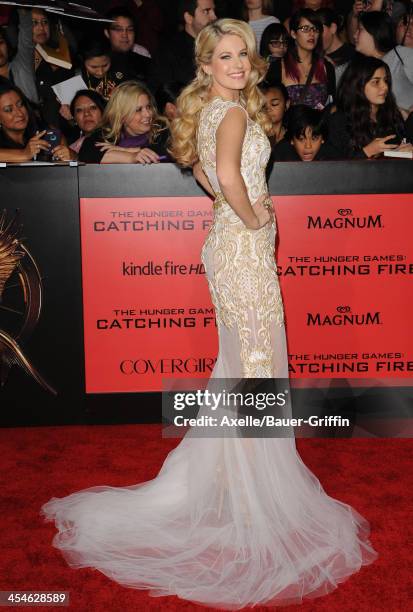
[
  {"x": 305, "y": 69},
  {"x": 37, "y": 60},
  {"x": 101, "y": 87}
]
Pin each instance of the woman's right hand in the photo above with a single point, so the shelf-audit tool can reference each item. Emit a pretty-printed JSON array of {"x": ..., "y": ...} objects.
[
  {"x": 262, "y": 214},
  {"x": 379, "y": 145},
  {"x": 36, "y": 144},
  {"x": 146, "y": 156}
]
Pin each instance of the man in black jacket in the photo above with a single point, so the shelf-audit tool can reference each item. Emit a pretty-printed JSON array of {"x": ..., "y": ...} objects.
[
  {"x": 121, "y": 35},
  {"x": 174, "y": 60}
]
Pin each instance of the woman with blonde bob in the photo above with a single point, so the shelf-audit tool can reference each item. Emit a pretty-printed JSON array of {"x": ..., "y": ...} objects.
[
  {"x": 131, "y": 131},
  {"x": 233, "y": 519}
]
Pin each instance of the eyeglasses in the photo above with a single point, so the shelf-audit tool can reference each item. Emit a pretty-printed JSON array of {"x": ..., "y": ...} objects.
[
  {"x": 279, "y": 43},
  {"x": 307, "y": 28},
  {"x": 128, "y": 29}
]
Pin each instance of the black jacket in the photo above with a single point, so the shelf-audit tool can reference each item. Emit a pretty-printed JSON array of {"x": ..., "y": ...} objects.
[
  {"x": 173, "y": 62},
  {"x": 339, "y": 136},
  {"x": 131, "y": 64}
]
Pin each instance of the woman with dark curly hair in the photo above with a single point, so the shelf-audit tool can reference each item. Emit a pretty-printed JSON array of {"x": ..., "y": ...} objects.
[
  {"x": 308, "y": 77},
  {"x": 367, "y": 121}
]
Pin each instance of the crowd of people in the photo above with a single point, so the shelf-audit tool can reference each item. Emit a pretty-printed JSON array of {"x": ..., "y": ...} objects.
[{"x": 339, "y": 82}]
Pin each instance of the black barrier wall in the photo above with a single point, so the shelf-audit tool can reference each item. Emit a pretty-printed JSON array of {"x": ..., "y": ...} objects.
[
  {"x": 48, "y": 203},
  {"x": 48, "y": 200}
]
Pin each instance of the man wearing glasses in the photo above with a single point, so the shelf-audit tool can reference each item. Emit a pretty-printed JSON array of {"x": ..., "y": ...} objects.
[{"x": 127, "y": 58}]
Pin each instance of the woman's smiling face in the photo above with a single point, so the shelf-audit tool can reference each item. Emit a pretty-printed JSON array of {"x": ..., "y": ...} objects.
[
  {"x": 141, "y": 121},
  {"x": 230, "y": 66}
]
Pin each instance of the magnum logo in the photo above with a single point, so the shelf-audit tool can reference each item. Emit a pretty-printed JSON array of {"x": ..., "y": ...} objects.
[
  {"x": 21, "y": 293},
  {"x": 343, "y": 317},
  {"x": 344, "y": 221}
]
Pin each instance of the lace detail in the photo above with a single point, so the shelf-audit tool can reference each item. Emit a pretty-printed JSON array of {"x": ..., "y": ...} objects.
[
  {"x": 229, "y": 522},
  {"x": 256, "y": 148},
  {"x": 239, "y": 262}
]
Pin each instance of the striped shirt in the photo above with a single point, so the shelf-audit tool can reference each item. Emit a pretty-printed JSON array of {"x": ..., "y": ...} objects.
[{"x": 259, "y": 25}]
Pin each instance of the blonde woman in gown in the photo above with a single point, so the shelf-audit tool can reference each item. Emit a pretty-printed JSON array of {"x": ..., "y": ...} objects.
[{"x": 228, "y": 522}]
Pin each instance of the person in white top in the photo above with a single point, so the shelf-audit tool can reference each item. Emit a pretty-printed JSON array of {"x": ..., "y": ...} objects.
[{"x": 258, "y": 15}]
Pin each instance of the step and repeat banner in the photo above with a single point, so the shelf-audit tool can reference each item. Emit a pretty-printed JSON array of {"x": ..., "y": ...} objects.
[
  {"x": 103, "y": 293},
  {"x": 345, "y": 264}
]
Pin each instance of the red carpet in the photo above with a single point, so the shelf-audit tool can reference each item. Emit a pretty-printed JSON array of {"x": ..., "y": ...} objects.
[{"x": 375, "y": 476}]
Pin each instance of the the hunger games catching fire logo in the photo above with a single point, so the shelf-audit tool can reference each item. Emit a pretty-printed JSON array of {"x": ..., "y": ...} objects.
[{"x": 21, "y": 293}]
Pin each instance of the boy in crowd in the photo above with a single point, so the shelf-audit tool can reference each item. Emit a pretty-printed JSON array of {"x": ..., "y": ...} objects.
[{"x": 306, "y": 137}]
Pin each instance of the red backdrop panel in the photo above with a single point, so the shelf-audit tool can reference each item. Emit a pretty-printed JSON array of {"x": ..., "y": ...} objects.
[{"x": 345, "y": 265}]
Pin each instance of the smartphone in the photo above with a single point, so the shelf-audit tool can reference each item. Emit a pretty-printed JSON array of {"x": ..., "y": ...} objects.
[{"x": 53, "y": 137}]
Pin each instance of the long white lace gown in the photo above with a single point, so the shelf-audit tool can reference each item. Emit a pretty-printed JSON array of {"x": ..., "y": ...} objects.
[{"x": 227, "y": 522}]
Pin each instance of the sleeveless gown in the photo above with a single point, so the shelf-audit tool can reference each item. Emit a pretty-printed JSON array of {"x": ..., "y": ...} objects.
[{"x": 228, "y": 522}]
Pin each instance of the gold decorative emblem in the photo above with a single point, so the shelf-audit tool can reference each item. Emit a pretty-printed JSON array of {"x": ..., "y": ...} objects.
[{"x": 21, "y": 293}]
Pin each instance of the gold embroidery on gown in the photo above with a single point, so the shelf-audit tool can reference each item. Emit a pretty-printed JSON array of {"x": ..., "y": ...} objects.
[
  {"x": 228, "y": 522},
  {"x": 239, "y": 262}
]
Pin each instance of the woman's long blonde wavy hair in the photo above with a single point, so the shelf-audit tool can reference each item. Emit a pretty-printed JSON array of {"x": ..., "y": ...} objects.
[
  {"x": 194, "y": 97},
  {"x": 122, "y": 106}
]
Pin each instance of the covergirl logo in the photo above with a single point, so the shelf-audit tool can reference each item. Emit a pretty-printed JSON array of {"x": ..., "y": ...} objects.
[
  {"x": 190, "y": 365},
  {"x": 344, "y": 221},
  {"x": 343, "y": 317}
]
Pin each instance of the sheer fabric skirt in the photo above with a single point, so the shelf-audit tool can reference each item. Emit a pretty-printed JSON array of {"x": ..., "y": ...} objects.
[{"x": 232, "y": 521}]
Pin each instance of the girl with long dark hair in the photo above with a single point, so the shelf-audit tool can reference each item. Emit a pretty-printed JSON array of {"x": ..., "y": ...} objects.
[
  {"x": 367, "y": 121},
  {"x": 375, "y": 37},
  {"x": 308, "y": 77}
]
